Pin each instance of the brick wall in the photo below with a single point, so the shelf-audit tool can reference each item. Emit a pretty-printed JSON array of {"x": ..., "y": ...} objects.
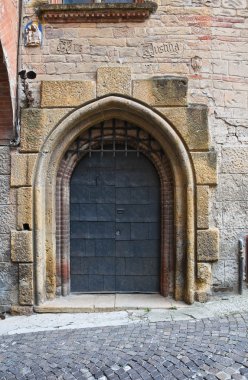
[
  {"x": 8, "y": 37},
  {"x": 6, "y": 118}
]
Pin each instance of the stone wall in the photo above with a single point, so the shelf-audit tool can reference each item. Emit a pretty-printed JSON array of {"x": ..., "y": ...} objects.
[
  {"x": 205, "y": 41},
  {"x": 8, "y": 270}
]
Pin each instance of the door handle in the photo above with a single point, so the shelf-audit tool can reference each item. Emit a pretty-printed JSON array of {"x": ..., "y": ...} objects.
[{"x": 120, "y": 211}]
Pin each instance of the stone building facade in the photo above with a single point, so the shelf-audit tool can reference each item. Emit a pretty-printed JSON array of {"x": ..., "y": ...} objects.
[{"x": 165, "y": 80}]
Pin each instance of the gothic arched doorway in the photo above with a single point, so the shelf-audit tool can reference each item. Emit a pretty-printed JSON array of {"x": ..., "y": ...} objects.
[
  {"x": 121, "y": 213},
  {"x": 66, "y": 145}
]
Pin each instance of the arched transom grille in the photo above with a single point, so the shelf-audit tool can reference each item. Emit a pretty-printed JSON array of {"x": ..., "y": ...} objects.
[{"x": 115, "y": 136}]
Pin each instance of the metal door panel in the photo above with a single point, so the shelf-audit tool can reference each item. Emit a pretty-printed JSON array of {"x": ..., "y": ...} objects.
[
  {"x": 79, "y": 194},
  {"x": 137, "y": 248},
  {"x": 154, "y": 231},
  {"x": 101, "y": 265},
  {"x": 76, "y": 267},
  {"x": 115, "y": 224},
  {"x": 139, "y": 231},
  {"x": 139, "y": 213},
  {"x": 96, "y": 283},
  {"x": 141, "y": 284},
  {"x": 132, "y": 196},
  {"x": 120, "y": 266},
  {"x": 104, "y": 247},
  {"x": 101, "y": 230},
  {"x": 141, "y": 266},
  {"x": 79, "y": 283},
  {"x": 109, "y": 283},
  {"x": 133, "y": 178},
  {"x": 105, "y": 212},
  {"x": 87, "y": 212},
  {"x": 75, "y": 211},
  {"x": 125, "y": 248},
  {"x": 122, "y": 231},
  {"x": 102, "y": 194}
]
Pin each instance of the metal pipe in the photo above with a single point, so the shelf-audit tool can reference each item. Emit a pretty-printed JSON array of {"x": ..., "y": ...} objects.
[
  {"x": 246, "y": 258},
  {"x": 241, "y": 265},
  {"x": 16, "y": 121}
]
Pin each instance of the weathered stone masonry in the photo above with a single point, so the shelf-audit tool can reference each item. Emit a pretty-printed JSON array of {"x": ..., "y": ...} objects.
[
  {"x": 41, "y": 140},
  {"x": 136, "y": 64}
]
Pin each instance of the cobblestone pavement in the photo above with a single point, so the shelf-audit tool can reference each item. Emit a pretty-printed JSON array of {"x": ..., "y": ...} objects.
[{"x": 210, "y": 348}]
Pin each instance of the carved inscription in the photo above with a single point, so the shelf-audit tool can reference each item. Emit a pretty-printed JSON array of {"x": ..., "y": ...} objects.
[
  {"x": 163, "y": 49},
  {"x": 148, "y": 50},
  {"x": 68, "y": 47}
]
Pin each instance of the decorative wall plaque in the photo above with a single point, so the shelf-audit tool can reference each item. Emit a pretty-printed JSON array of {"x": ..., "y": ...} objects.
[{"x": 33, "y": 34}]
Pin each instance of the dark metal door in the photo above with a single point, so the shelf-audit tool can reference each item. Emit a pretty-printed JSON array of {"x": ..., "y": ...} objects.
[{"x": 115, "y": 224}]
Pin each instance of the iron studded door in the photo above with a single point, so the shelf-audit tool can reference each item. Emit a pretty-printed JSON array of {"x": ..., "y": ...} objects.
[{"x": 115, "y": 224}]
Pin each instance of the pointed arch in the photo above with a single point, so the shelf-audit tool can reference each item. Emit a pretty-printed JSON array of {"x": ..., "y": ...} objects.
[{"x": 44, "y": 188}]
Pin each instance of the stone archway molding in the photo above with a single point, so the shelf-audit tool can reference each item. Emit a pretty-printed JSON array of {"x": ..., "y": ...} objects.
[{"x": 44, "y": 187}]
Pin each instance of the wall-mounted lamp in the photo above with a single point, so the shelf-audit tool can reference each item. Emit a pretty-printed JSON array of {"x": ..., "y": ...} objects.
[{"x": 24, "y": 75}]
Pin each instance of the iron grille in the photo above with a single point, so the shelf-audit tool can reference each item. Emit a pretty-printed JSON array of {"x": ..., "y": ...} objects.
[{"x": 115, "y": 136}]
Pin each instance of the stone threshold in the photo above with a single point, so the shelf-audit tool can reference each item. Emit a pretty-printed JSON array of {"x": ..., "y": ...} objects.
[{"x": 88, "y": 303}]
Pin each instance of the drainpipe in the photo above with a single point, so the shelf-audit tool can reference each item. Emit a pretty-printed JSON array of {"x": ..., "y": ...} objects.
[
  {"x": 16, "y": 140},
  {"x": 246, "y": 260},
  {"x": 241, "y": 265}
]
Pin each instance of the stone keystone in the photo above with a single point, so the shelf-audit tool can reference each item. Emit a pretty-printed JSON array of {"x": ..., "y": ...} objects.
[{"x": 113, "y": 80}]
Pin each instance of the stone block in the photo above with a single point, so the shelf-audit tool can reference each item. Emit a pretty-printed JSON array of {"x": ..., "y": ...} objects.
[
  {"x": 191, "y": 122},
  {"x": 21, "y": 310},
  {"x": 229, "y": 238},
  {"x": 204, "y": 273},
  {"x": 5, "y": 248},
  {"x": 202, "y": 296},
  {"x": 218, "y": 274},
  {"x": 231, "y": 273},
  {"x": 8, "y": 297},
  {"x": 26, "y": 284},
  {"x": 8, "y": 277},
  {"x": 205, "y": 164},
  {"x": 208, "y": 245},
  {"x": 202, "y": 206},
  {"x": 66, "y": 93},
  {"x": 113, "y": 80},
  {"x": 36, "y": 124},
  {"x": 235, "y": 160},
  {"x": 24, "y": 208},
  {"x": 235, "y": 99},
  {"x": 4, "y": 160},
  {"x": 203, "y": 282},
  {"x": 235, "y": 214},
  {"x": 22, "y": 166},
  {"x": 232, "y": 187},
  {"x": 5, "y": 189},
  {"x": 21, "y": 246},
  {"x": 7, "y": 218},
  {"x": 162, "y": 91}
]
